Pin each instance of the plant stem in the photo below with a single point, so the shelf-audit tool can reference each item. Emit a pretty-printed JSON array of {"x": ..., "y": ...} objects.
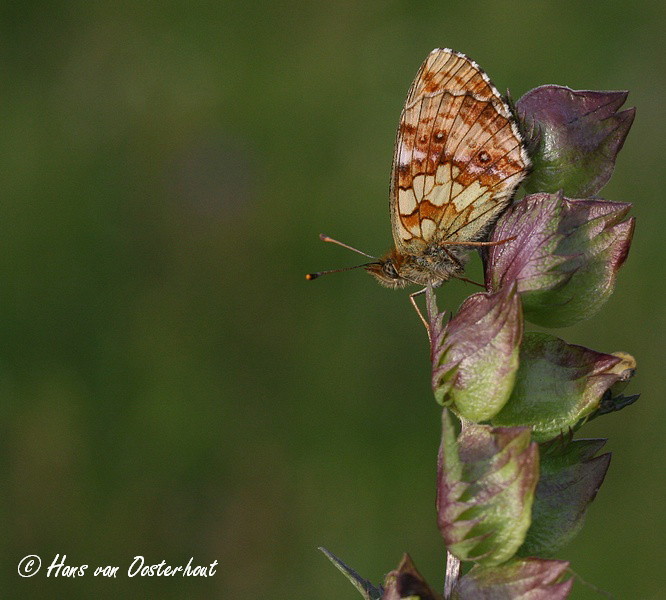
[
  {"x": 452, "y": 574},
  {"x": 452, "y": 563}
]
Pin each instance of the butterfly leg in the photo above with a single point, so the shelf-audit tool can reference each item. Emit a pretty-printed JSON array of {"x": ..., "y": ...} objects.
[
  {"x": 457, "y": 261},
  {"x": 453, "y": 258},
  {"x": 497, "y": 243},
  {"x": 469, "y": 281},
  {"x": 418, "y": 312}
]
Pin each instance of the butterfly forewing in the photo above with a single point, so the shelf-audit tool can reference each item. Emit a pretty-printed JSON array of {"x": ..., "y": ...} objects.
[{"x": 458, "y": 157}]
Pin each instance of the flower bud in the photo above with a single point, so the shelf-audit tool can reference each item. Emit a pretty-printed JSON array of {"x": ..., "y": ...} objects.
[
  {"x": 563, "y": 254},
  {"x": 573, "y": 136},
  {"x": 475, "y": 356}
]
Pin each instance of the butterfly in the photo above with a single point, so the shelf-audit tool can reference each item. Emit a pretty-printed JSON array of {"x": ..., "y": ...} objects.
[{"x": 459, "y": 158}]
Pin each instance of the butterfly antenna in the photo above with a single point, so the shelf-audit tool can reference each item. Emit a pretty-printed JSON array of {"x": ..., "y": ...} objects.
[
  {"x": 311, "y": 276},
  {"x": 325, "y": 238}
]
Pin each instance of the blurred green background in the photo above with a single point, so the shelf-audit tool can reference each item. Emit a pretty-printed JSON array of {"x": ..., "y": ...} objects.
[{"x": 173, "y": 387}]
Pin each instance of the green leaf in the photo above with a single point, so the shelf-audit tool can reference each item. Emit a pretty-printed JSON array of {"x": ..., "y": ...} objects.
[
  {"x": 485, "y": 488},
  {"x": 475, "y": 356},
  {"x": 367, "y": 590},
  {"x": 557, "y": 385},
  {"x": 520, "y": 579},
  {"x": 570, "y": 477}
]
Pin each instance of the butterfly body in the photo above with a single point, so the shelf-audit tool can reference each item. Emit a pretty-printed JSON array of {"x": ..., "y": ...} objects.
[
  {"x": 434, "y": 265},
  {"x": 459, "y": 158}
]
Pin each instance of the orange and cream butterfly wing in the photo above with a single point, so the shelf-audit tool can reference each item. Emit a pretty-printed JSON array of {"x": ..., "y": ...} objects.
[{"x": 458, "y": 158}]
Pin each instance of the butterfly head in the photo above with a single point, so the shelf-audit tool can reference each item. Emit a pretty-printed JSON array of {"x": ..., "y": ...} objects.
[{"x": 387, "y": 271}]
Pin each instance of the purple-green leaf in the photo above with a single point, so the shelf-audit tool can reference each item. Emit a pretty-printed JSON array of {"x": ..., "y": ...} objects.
[
  {"x": 520, "y": 579},
  {"x": 574, "y": 137},
  {"x": 475, "y": 356},
  {"x": 485, "y": 488},
  {"x": 563, "y": 254},
  {"x": 407, "y": 582},
  {"x": 570, "y": 476},
  {"x": 557, "y": 385}
]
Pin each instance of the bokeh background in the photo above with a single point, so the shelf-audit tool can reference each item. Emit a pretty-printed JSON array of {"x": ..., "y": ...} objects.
[{"x": 171, "y": 385}]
